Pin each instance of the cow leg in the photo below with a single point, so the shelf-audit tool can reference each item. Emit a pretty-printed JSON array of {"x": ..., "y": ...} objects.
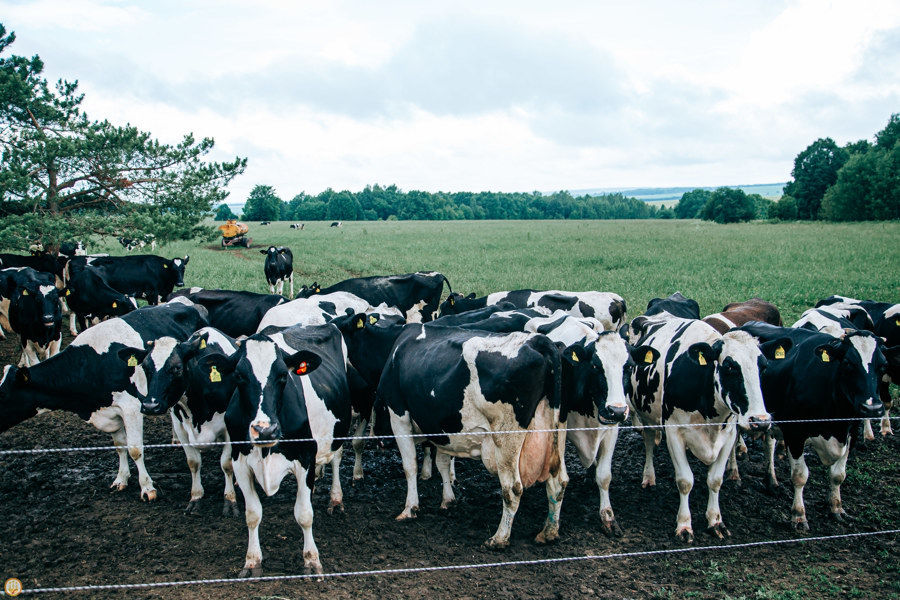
[
  {"x": 885, "y": 392},
  {"x": 771, "y": 479},
  {"x": 280, "y": 287},
  {"x": 253, "y": 516},
  {"x": 230, "y": 507},
  {"x": 194, "y": 461},
  {"x": 402, "y": 427},
  {"x": 834, "y": 456},
  {"x": 271, "y": 288},
  {"x": 121, "y": 443},
  {"x": 714, "y": 477},
  {"x": 337, "y": 493},
  {"x": 734, "y": 473},
  {"x": 134, "y": 431},
  {"x": 53, "y": 347},
  {"x": 684, "y": 479},
  {"x": 303, "y": 514},
  {"x": 292, "y": 285},
  {"x": 511, "y": 491},
  {"x": 425, "y": 473},
  {"x": 72, "y": 328},
  {"x": 650, "y": 442},
  {"x": 443, "y": 462},
  {"x": 868, "y": 434},
  {"x": 799, "y": 475},
  {"x": 358, "y": 444},
  {"x": 603, "y": 476}
]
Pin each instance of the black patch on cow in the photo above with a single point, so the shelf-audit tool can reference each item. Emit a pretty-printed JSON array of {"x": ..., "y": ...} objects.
[
  {"x": 731, "y": 379},
  {"x": 688, "y": 386}
]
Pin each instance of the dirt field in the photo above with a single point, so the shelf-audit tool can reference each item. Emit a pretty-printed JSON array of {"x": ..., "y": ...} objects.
[{"x": 62, "y": 527}]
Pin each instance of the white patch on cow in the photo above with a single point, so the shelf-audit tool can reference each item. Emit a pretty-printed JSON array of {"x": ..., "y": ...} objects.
[
  {"x": 6, "y": 370},
  {"x": 269, "y": 471},
  {"x": 307, "y": 311},
  {"x": 321, "y": 421},
  {"x": 866, "y": 346},
  {"x": 181, "y": 300},
  {"x": 892, "y": 312},
  {"x": 508, "y": 346},
  {"x": 414, "y": 314},
  {"x": 722, "y": 318},
  {"x": 102, "y": 335},
  {"x": 744, "y": 349},
  {"x": 162, "y": 350},
  {"x": 422, "y": 334},
  {"x": 45, "y": 290},
  {"x": 569, "y": 330},
  {"x": 139, "y": 379},
  {"x": 176, "y": 262},
  {"x": 261, "y": 354}
]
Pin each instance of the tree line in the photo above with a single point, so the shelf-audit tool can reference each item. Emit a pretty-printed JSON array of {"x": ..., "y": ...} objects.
[{"x": 388, "y": 203}]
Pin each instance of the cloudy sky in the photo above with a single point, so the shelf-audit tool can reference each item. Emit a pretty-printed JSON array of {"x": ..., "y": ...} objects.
[{"x": 497, "y": 95}]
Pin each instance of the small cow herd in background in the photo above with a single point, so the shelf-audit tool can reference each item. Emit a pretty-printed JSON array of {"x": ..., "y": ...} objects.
[{"x": 280, "y": 381}]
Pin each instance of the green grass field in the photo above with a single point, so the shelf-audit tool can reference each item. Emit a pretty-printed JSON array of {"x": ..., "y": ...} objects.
[{"x": 793, "y": 265}]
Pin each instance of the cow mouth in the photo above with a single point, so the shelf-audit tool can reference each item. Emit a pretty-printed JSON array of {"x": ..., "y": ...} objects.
[
  {"x": 612, "y": 415},
  {"x": 871, "y": 409}
]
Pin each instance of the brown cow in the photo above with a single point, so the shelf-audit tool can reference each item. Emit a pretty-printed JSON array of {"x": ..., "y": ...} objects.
[{"x": 741, "y": 313}]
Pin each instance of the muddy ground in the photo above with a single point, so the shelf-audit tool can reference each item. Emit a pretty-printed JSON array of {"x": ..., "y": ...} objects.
[{"x": 60, "y": 526}]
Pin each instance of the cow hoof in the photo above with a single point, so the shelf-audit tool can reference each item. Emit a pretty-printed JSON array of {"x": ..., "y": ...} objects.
[
  {"x": 546, "y": 537},
  {"x": 192, "y": 508},
  {"x": 407, "y": 515},
  {"x": 148, "y": 495},
  {"x": 611, "y": 529},
  {"x": 335, "y": 504},
  {"x": 801, "y": 525},
  {"x": 250, "y": 572},
  {"x": 648, "y": 485},
  {"x": 685, "y": 536},
  {"x": 718, "y": 531},
  {"x": 842, "y": 517},
  {"x": 230, "y": 509},
  {"x": 736, "y": 479},
  {"x": 118, "y": 486},
  {"x": 494, "y": 544}
]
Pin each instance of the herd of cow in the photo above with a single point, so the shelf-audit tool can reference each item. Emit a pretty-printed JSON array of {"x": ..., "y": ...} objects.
[{"x": 278, "y": 385}]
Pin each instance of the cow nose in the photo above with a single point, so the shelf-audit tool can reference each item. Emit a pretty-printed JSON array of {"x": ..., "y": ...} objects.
[
  {"x": 871, "y": 408},
  {"x": 613, "y": 414},
  {"x": 151, "y": 406},
  {"x": 759, "y": 423},
  {"x": 263, "y": 432}
]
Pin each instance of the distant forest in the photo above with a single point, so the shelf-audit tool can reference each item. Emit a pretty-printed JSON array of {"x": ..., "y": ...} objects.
[{"x": 385, "y": 203}]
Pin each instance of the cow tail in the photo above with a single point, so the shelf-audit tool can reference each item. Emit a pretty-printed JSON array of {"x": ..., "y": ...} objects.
[{"x": 447, "y": 281}]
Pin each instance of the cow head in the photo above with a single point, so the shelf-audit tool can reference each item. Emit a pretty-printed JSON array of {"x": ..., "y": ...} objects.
[
  {"x": 177, "y": 266},
  {"x": 264, "y": 376},
  {"x": 860, "y": 362},
  {"x": 308, "y": 290},
  {"x": 738, "y": 363},
  {"x": 39, "y": 305},
  {"x": 13, "y": 409},
  {"x": 601, "y": 372}
]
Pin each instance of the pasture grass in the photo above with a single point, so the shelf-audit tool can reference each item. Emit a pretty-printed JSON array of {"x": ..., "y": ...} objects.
[{"x": 791, "y": 264}]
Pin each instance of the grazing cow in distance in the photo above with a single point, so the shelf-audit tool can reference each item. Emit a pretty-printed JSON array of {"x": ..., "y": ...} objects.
[
  {"x": 94, "y": 377},
  {"x": 814, "y": 387},
  {"x": 885, "y": 318},
  {"x": 233, "y": 312},
  {"x": 704, "y": 385},
  {"x": 442, "y": 381},
  {"x": 89, "y": 297},
  {"x": 182, "y": 380},
  {"x": 279, "y": 267},
  {"x": 146, "y": 276},
  {"x": 296, "y": 225},
  {"x": 31, "y": 301},
  {"x": 265, "y": 223},
  {"x": 416, "y": 295},
  {"x": 337, "y": 224},
  {"x": 606, "y": 307},
  {"x": 281, "y": 398}
]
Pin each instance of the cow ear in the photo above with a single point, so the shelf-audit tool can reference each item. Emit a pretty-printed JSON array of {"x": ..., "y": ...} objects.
[
  {"x": 833, "y": 351},
  {"x": 186, "y": 258},
  {"x": 701, "y": 354},
  {"x": 575, "y": 353},
  {"x": 623, "y": 331},
  {"x": 644, "y": 355},
  {"x": 372, "y": 318},
  {"x": 717, "y": 349},
  {"x": 776, "y": 349},
  {"x": 471, "y": 296},
  {"x": 215, "y": 366},
  {"x": 263, "y": 251},
  {"x": 132, "y": 357},
  {"x": 303, "y": 362}
]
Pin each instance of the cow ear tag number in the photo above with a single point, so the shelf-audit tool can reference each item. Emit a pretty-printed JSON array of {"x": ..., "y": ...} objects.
[
  {"x": 779, "y": 353},
  {"x": 202, "y": 344},
  {"x": 132, "y": 361},
  {"x": 214, "y": 375},
  {"x": 649, "y": 357},
  {"x": 372, "y": 320},
  {"x": 701, "y": 360},
  {"x": 825, "y": 357},
  {"x": 114, "y": 305},
  {"x": 574, "y": 356},
  {"x": 302, "y": 368}
]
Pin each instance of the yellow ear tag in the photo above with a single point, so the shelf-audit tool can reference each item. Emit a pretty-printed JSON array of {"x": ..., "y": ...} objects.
[
  {"x": 574, "y": 357},
  {"x": 24, "y": 292},
  {"x": 202, "y": 344},
  {"x": 372, "y": 320},
  {"x": 897, "y": 322},
  {"x": 649, "y": 357},
  {"x": 214, "y": 375},
  {"x": 825, "y": 357},
  {"x": 701, "y": 360},
  {"x": 779, "y": 352},
  {"x": 68, "y": 292},
  {"x": 132, "y": 362},
  {"x": 165, "y": 266},
  {"x": 360, "y": 324},
  {"x": 114, "y": 305}
]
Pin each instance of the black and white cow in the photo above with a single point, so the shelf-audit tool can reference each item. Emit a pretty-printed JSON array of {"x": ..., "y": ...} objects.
[
  {"x": 296, "y": 225},
  {"x": 316, "y": 310},
  {"x": 704, "y": 385},
  {"x": 144, "y": 276},
  {"x": 885, "y": 319},
  {"x": 30, "y": 301},
  {"x": 814, "y": 386},
  {"x": 182, "y": 380},
  {"x": 337, "y": 224},
  {"x": 90, "y": 297},
  {"x": 606, "y": 307},
  {"x": 285, "y": 418},
  {"x": 44, "y": 262},
  {"x": 416, "y": 295},
  {"x": 95, "y": 377},
  {"x": 279, "y": 267},
  {"x": 479, "y": 394},
  {"x": 72, "y": 248},
  {"x": 234, "y": 313}
]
